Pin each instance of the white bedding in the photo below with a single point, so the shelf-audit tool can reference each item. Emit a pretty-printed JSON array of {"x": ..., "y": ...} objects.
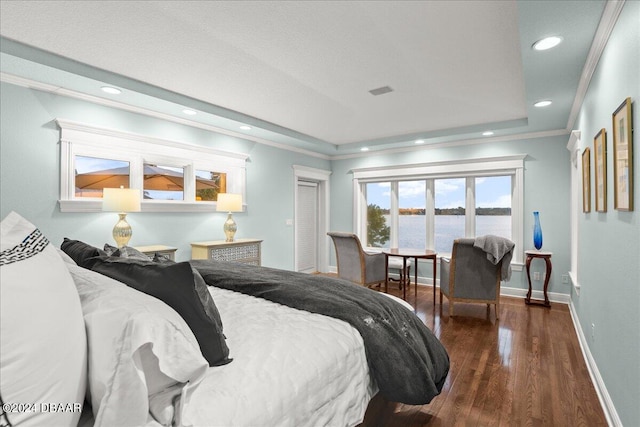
[{"x": 290, "y": 368}]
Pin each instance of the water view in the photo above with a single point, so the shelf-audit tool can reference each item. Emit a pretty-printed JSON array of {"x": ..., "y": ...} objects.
[{"x": 412, "y": 229}]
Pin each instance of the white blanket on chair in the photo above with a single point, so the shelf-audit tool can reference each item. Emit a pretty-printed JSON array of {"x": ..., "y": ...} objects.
[{"x": 497, "y": 249}]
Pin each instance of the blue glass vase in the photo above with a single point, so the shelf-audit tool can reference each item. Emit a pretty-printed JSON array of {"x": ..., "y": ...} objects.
[{"x": 537, "y": 231}]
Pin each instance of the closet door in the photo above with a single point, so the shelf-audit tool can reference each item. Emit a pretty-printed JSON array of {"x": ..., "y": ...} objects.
[{"x": 307, "y": 227}]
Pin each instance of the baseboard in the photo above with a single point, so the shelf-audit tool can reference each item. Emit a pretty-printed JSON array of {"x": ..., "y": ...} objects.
[
  {"x": 504, "y": 291},
  {"x": 598, "y": 383},
  {"x": 539, "y": 295}
]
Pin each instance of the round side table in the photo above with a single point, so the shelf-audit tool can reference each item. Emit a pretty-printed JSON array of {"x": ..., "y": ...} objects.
[{"x": 530, "y": 255}]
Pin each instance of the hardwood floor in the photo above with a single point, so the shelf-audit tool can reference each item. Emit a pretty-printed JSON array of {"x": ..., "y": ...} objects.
[{"x": 526, "y": 369}]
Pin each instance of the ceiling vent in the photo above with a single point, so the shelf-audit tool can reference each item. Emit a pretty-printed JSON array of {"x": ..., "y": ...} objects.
[{"x": 380, "y": 91}]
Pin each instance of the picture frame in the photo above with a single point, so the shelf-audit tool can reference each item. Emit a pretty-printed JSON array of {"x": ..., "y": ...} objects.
[
  {"x": 586, "y": 180},
  {"x": 623, "y": 157},
  {"x": 600, "y": 169}
]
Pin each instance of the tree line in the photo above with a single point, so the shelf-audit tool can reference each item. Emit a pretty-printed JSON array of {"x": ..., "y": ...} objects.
[{"x": 449, "y": 211}]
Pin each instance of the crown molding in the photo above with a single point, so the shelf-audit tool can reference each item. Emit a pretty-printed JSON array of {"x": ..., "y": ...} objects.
[
  {"x": 514, "y": 137},
  {"x": 44, "y": 87},
  {"x": 607, "y": 23}
]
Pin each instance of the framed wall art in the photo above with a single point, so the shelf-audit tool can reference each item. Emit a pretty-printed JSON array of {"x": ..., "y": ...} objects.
[
  {"x": 586, "y": 180},
  {"x": 600, "y": 169},
  {"x": 623, "y": 157}
]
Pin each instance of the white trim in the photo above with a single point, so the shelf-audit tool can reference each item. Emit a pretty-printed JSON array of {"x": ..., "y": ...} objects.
[
  {"x": 447, "y": 144},
  {"x": 574, "y": 283},
  {"x": 573, "y": 145},
  {"x": 102, "y": 136},
  {"x": 606, "y": 402},
  {"x": 44, "y": 87},
  {"x": 449, "y": 168},
  {"x": 321, "y": 177},
  {"x": 78, "y": 139},
  {"x": 489, "y": 166},
  {"x": 608, "y": 21},
  {"x": 555, "y": 297}
]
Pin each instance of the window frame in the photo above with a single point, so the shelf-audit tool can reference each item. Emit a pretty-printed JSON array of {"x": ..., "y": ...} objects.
[
  {"x": 468, "y": 169},
  {"x": 78, "y": 139}
]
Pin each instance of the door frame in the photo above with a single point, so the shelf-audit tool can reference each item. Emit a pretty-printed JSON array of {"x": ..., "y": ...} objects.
[{"x": 321, "y": 177}]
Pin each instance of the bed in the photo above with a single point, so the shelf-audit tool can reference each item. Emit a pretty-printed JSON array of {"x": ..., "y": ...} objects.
[{"x": 289, "y": 349}]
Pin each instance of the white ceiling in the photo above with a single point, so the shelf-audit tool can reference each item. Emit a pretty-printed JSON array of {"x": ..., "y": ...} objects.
[{"x": 301, "y": 72}]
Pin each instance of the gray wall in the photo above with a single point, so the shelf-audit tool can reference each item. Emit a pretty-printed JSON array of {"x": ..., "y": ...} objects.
[
  {"x": 30, "y": 170},
  {"x": 609, "y": 253}
]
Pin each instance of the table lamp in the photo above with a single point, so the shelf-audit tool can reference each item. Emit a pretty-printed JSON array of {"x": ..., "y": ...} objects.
[
  {"x": 121, "y": 200},
  {"x": 228, "y": 202}
]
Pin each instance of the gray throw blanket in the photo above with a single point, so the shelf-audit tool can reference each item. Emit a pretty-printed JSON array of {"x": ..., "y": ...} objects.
[
  {"x": 497, "y": 249},
  {"x": 408, "y": 363}
]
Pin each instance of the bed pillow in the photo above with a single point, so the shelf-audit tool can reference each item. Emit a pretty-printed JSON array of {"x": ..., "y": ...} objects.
[
  {"x": 80, "y": 251},
  {"x": 125, "y": 252},
  {"x": 142, "y": 354},
  {"x": 175, "y": 285},
  {"x": 201, "y": 289},
  {"x": 43, "y": 349}
]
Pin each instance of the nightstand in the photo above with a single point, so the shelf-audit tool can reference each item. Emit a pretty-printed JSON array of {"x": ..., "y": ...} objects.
[
  {"x": 240, "y": 250},
  {"x": 150, "y": 251}
]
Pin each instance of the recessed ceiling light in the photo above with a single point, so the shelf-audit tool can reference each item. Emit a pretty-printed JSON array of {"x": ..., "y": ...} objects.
[
  {"x": 364, "y": 149},
  {"x": 547, "y": 43},
  {"x": 419, "y": 141},
  {"x": 544, "y": 103},
  {"x": 487, "y": 133},
  {"x": 111, "y": 90},
  {"x": 245, "y": 127},
  {"x": 189, "y": 112}
]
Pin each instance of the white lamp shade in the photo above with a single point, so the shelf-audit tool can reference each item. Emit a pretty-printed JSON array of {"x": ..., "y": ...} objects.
[
  {"x": 121, "y": 200},
  {"x": 229, "y": 202}
]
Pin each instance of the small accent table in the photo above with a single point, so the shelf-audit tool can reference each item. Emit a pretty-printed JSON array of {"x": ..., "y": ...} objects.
[
  {"x": 240, "y": 250},
  {"x": 150, "y": 251},
  {"x": 531, "y": 254},
  {"x": 404, "y": 278}
]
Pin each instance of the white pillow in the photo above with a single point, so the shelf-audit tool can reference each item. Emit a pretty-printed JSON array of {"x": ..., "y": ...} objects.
[
  {"x": 142, "y": 354},
  {"x": 43, "y": 349}
]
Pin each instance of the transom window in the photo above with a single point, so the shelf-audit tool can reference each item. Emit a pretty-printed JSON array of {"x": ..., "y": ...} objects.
[
  {"x": 172, "y": 176},
  {"x": 428, "y": 206}
]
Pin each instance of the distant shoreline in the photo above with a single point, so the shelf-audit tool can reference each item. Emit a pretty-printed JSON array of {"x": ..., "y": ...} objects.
[{"x": 452, "y": 211}]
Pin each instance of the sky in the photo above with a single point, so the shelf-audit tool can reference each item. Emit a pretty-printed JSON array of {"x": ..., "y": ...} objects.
[{"x": 491, "y": 192}]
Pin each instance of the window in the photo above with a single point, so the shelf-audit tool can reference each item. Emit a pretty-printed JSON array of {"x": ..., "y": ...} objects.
[
  {"x": 493, "y": 206},
  {"x": 172, "y": 176},
  {"x": 209, "y": 184},
  {"x": 430, "y": 205},
  {"x": 449, "y": 219},
  {"x": 162, "y": 182},
  {"x": 378, "y": 196},
  {"x": 93, "y": 174},
  {"x": 411, "y": 214}
]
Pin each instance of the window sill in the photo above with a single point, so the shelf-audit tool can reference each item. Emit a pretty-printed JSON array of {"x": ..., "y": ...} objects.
[{"x": 146, "y": 206}]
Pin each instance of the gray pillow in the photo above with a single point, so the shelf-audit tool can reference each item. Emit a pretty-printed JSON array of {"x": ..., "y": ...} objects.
[{"x": 125, "y": 252}]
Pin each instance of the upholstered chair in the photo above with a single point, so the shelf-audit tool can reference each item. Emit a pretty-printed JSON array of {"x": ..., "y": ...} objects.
[
  {"x": 356, "y": 265},
  {"x": 470, "y": 276}
]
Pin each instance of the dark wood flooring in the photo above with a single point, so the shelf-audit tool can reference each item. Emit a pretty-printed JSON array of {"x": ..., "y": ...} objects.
[{"x": 525, "y": 369}]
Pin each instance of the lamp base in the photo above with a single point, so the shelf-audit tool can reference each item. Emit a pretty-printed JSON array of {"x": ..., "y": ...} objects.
[
  {"x": 122, "y": 231},
  {"x": 230, "y": 228}
]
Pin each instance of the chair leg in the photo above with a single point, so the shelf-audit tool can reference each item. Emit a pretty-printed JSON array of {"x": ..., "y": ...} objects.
[
  {"x": 450, "y": 308},
  {"x": 497, "y": 310}
]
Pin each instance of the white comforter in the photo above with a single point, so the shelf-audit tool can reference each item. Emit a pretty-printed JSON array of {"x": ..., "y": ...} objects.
[{"x": 290, "y": 368}]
